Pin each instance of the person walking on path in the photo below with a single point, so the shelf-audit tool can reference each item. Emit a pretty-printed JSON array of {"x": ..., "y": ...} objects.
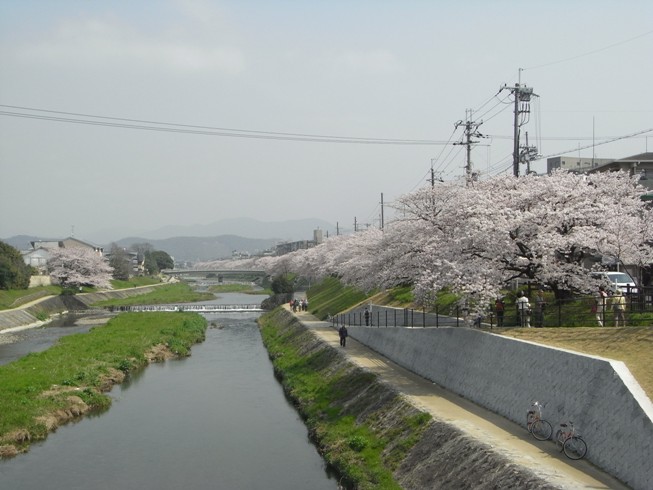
[
  {"x": 342, "y": 332},
  {"x": 541, "y": 304},
  {"x": 600, "y": 299},
  {"x": 619, "y": 307},
  {"x": 499, "y": 307},
  {"x": 523, "y": 310}
]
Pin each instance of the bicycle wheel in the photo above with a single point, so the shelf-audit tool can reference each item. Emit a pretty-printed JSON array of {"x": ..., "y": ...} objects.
[
  {"x": 559, "y": 439},
  {"x": 575, "y": 448},
  {"x": 541, "y": 430}
]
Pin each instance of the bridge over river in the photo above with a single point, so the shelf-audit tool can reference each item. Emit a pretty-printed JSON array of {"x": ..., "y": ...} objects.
[{"x": 215, "y": 272}]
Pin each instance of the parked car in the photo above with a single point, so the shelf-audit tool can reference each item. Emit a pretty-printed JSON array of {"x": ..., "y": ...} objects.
[{"x": 618, "y": 280}]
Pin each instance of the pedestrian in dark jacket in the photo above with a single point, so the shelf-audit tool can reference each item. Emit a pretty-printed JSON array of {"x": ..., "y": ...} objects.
[{"x": 342, "y": 332}]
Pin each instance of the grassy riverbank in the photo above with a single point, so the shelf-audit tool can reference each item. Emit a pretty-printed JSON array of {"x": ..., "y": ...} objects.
[
  {"x": 43, "y": 390},
  {"x": 362, "y": 428},
  {"x": 330, "y": 297},
  {"x": 14, "y": 298}
]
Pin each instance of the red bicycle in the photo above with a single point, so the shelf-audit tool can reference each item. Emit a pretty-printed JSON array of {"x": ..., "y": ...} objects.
[{"x": 536, "y": 425}]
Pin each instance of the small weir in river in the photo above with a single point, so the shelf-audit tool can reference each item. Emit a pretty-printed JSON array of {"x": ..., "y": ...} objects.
[{"x": 198, "y": 308}]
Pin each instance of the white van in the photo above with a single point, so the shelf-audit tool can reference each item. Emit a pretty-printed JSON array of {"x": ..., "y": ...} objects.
[{"x": 619, "y": 280}]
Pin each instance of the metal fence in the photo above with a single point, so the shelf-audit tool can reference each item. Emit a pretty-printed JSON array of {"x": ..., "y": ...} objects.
[{"x": 579, "y": 311}]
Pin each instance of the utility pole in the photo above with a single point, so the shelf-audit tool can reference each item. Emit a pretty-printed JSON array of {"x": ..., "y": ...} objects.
[
  {"x": 432, "y": 174},
  {"x": 433, "y": 179},
  {"x": 355, "y": 225},
  {"x": 382, "y": 210},
  {"x": 522, "y": 95},
  {"x": 471, "y": 131}
]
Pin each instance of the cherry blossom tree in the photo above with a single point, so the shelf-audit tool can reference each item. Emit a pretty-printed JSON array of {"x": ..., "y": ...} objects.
[
  {"x": 475, "y": 240},
  {"x": 541, "y": 229},
  {"x": 76, "y": 266}
]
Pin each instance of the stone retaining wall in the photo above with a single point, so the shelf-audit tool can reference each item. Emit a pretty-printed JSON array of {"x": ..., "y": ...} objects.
[{"x": 505, "y": 375}]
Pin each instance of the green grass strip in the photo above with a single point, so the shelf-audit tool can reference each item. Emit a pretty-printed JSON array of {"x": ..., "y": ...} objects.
[{"x": 84, "y": 361}]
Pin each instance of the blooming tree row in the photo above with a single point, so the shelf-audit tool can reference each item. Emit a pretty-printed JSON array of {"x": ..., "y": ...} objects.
[{"x": 474, "y": 240}]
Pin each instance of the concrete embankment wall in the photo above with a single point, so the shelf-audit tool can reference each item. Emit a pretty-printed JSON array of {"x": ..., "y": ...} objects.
[
  {"x": 28, "y": 315},
  {"x": 505, "y": 375}
]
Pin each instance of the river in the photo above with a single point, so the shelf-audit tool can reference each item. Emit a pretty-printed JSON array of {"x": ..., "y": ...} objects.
[{"x": 217, "y": 420}]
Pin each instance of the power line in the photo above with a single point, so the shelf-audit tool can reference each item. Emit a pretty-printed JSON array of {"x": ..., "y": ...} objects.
[
  {"x": 146, "y": 125},
  {"x": 589, "y": 52},
  {"x": 605, "y": 142},
  {"x": 568, "y": 138},
  {"x": 499, "y": 102}
]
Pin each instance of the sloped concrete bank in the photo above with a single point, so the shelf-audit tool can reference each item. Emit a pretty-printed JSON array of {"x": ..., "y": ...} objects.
[
  {"x": 436, "y": 455},
  {"x": 28, "y": 315},
  {"x": 504, "y": 375}
]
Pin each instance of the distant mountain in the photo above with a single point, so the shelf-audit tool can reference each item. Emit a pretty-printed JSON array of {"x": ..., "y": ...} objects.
[
  {"x": 203, "y": 242},
  {"x": 202, "y": 248},
  {"x": 22, "y": 242},
  {"x": 288, "y": 230}
]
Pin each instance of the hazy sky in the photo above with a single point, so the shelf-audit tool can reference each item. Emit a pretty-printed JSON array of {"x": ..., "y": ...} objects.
[{"x": 378, "y": 71}]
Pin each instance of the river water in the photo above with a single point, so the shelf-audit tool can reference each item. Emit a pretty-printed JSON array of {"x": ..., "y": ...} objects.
[{"x": 215, "y": 420}]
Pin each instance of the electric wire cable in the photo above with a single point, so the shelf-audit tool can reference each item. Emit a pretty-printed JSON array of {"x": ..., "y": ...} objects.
[
  {"x": 589, "y": 52},
  {"x": 126, "y": 123},
  {"x": 600, "y": 143}
]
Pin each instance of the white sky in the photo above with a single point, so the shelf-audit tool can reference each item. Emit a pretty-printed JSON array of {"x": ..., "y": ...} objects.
[{"x": 366, "y": 69}]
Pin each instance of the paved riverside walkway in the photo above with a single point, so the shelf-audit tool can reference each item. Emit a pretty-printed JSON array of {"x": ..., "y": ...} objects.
[{"x": 504, "y": 436}]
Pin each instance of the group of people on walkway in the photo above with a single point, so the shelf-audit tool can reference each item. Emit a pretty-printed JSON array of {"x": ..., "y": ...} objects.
[
  {"x": 525, "y": 310},
  {"x": 298, "y": 305},
  {"x": 602, "y": 301}
]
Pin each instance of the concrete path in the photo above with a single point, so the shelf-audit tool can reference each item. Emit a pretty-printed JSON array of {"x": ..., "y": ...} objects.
[{"x": 504, "y": 436}]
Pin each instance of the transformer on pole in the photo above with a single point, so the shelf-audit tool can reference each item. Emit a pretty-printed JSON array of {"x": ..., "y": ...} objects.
[{"x": 522, "y": 112}]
